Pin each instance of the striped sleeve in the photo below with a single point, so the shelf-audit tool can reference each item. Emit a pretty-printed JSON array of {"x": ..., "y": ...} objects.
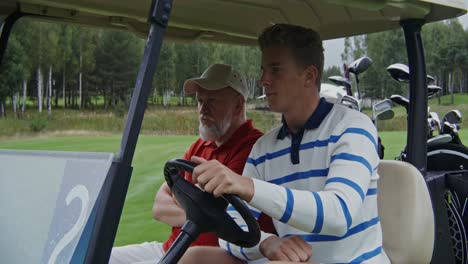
[
  {"x": 246, "y": 254},
  {"x": 352, "y": 167}
]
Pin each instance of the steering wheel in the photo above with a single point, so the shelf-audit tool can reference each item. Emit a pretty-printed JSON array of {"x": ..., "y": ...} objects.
[{"x": 205, "y": 213}]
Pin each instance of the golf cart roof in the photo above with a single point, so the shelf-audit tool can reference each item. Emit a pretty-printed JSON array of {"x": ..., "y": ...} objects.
[{"x": 240, "y": 21}]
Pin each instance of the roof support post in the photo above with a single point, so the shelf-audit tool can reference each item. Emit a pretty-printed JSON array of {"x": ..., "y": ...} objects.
[
  {"x": 416, "y": 141},
  {"x": 6, "y": 30},
  {"x": 112, "y": 196},
  {"x": 159, "y": 17}
]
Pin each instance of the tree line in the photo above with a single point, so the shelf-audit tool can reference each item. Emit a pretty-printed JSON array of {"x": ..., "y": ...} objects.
[
  {"x": 64, "y": 66},
  {"x": 54, "y": 66}
]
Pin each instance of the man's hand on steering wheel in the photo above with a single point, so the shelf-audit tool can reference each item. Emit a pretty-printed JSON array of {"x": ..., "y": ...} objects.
[
  {"x": 218, "y": 179},
  {"x": 205, "y": 213}
]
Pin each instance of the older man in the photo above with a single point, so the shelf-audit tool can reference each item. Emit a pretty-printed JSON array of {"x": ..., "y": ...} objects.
[{"x": 225, "y": 135}]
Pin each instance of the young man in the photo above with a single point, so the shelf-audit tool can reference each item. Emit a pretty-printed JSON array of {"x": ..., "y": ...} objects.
[
  {"x": 316, "y": 175},
  {"x": 225, "y": 135}
]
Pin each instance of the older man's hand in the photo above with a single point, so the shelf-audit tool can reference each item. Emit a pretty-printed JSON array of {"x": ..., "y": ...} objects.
[{"x": 218, "y": 179}]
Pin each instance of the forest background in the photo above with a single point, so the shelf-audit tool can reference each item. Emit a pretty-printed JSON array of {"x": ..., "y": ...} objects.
[{"x": 53, "y": 74}]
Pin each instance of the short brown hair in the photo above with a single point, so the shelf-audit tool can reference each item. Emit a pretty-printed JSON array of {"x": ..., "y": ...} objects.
[{"x": 304, "y": 43}]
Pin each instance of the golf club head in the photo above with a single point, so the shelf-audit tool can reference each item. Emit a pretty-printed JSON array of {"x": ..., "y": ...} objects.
[
  {"x": 434, "y": 120},
  {"x": 385, "y": 115},
  {"x": 360, "y": 65},
  {"x": 432, "y": 90},
  {"x": 400, "y": 100},
  {"x": 381, "y": 106},
  {"x": 340, "y": 80},
  {"x": 440, "y": 139},
  {"x": 350, "y": 102},
  {"x": 453, "y": 117},
  {"x": 430, "y": 79},
  {"x": 399, "y": 72},
  {"x": 448, "y": 128}
]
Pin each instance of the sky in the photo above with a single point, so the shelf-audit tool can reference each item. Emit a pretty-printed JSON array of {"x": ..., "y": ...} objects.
[{"x": 334, "y": 48}]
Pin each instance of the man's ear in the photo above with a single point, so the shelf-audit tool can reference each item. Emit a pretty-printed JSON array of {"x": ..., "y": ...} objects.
[
  {"x": 239, "y": 104},
  {"x": 311, "y": 75}
]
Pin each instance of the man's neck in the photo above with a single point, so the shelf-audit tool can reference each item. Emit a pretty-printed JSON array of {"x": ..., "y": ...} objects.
[{"x": 298, "y": 116}]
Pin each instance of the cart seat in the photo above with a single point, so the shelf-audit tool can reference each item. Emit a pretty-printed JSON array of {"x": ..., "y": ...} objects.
[{"x": 406, "y": 213}]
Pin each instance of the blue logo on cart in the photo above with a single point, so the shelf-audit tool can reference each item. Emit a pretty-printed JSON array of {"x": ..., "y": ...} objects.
[{"x": 82, "y": 182}]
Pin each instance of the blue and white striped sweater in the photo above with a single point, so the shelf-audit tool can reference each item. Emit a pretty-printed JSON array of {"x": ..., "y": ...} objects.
[{"x": 329, "y": 198}]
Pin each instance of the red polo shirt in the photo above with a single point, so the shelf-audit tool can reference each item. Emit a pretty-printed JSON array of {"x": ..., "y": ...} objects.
[{"x": 233, "y": 153}]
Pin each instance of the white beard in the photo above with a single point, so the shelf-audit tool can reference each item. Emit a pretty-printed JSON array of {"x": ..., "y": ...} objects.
[{"x": 215, "y": 131}]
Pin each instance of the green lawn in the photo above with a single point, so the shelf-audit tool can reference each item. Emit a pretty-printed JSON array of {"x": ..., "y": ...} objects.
[
  {"x": 152, "y": 152},
  {"x": 395, "y": 141}
]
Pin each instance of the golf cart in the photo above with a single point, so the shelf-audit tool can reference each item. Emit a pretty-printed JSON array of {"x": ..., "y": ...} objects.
[{"x": 413, "y": 213}]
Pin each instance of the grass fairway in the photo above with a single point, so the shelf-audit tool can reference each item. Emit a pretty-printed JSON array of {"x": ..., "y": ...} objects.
[
  {"x": 395, "y": 141},
  {"x": 136, "y": 224}
]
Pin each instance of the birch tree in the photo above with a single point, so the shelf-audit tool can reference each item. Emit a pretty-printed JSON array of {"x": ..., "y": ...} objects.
[
  {"x": 25, "y": 92},
  {"x": 11, "y": 73}
]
